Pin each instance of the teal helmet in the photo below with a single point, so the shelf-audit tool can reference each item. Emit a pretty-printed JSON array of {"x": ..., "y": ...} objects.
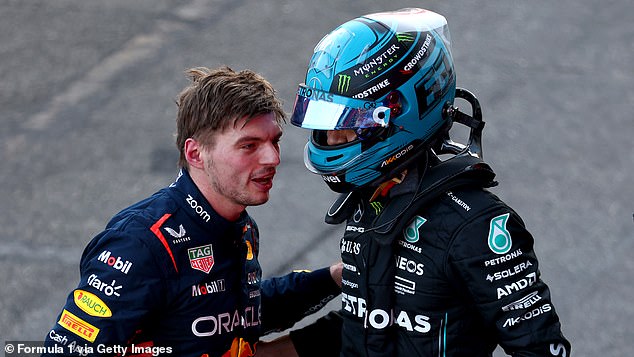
[{"x": 389, "y": 77}]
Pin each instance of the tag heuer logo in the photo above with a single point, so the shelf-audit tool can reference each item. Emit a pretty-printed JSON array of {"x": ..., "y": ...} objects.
[{"x": 201, "y": 258}]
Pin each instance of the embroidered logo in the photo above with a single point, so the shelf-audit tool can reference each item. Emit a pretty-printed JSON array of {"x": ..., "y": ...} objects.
[
  {"x": 78, "y": 326},
  {"x": 249, "y": 251},
  {"x": 179, "y": 236},
  {"x": 378, "y": 207},
  {"x": 201, "y": 258},
  {"x": 91, "y": 304},
  {"x": 499, "y": 237},
  {"x": 411, "y": 232}
]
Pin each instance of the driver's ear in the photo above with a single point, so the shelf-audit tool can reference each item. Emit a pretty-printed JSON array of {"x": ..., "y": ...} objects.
[{"x": 193, "y": 153}]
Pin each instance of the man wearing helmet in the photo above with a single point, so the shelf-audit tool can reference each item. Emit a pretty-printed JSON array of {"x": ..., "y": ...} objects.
[{"x": 434, "y": 263}]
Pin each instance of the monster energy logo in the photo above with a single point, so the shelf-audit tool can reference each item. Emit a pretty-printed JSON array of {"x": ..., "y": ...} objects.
[
  {"x": 405, "y": 37},
  {"x": 378, "y": 207},
  {"x": 343, "y": 83}
]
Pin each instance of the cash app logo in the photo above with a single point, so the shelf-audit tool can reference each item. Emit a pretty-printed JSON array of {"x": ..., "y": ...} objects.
[{"x": 499, "y": 237}]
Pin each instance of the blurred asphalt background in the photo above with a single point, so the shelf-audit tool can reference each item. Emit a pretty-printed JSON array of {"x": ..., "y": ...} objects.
[{"x": 87, "y": 114}]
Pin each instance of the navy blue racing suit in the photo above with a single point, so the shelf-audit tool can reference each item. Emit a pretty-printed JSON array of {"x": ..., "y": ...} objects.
[{"x": 169, "y": 276}]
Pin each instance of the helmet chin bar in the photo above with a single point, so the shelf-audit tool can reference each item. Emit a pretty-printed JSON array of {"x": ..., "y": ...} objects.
[{"x": 473, "y": 121}]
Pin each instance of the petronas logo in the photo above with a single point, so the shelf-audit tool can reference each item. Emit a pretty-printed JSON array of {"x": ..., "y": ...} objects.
[
  {"x": 343, "y": 84},
  {"x": 411, "y": 232},
  {"x": 499, "y": 237},
  {"x": 405, "y": 37}
]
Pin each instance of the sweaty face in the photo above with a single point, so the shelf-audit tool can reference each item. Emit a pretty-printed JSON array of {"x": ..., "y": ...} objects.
[{"x": 241, "y": 163}]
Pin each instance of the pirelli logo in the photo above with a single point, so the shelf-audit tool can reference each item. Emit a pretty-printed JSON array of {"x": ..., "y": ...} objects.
[{"x": 78, "y": 326}]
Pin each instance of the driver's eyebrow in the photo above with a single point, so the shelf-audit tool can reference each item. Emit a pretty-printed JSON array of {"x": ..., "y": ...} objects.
[{"x": 257, "y": 138}]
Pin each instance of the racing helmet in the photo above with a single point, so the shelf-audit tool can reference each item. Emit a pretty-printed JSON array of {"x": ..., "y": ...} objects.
[{"x": 388, "y": 76}]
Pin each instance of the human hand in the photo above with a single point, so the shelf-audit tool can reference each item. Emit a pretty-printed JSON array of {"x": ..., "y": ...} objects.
[
  {"x": 282, "y": 346},
  {"x": 336, "y": 271}
]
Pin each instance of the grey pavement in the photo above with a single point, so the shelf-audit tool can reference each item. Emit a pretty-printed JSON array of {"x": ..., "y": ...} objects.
[{"x": 87, "y": 107}]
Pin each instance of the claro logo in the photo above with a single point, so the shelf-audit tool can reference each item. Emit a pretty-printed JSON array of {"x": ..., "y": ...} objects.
[
  {"x": 108, "y": 289},
  {"x": 198, "y": 208}
]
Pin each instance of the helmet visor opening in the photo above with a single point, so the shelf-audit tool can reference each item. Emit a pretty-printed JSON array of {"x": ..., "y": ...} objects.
[{"x": 320, "y": 110}]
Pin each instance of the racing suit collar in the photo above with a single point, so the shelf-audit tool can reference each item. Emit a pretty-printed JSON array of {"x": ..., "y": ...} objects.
[{"x": 196, "y": 205}]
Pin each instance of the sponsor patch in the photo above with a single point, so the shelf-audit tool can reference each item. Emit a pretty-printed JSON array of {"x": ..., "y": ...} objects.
[
  {"x": 208, "y": 288},
  {"x": 180, "y": 236},
  {"x": 523, "y": 303},
  {"x": 499, "y": 237},
  {"x": 200, "y": 211},
  {"x": 78, "y": 326},
  {"x": 249, "y": 251},
  {"x": 91, "y": 304},
  {"x": 519, "y": 285},
  {"x": 411, "y": 231},
  {"x": 201, "y": 258},
  {"x": 350, "y": 247},
  {"x": 378, "y": 207},
  {"x": 512, "y": 321},
  {"x": 404, "y": 286},
  {"x": 409, "y": 265},
  {"x": 117, "y": 263},
  {"x": 252, "y": 278},
  {"x": 108, "y": 289}
]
